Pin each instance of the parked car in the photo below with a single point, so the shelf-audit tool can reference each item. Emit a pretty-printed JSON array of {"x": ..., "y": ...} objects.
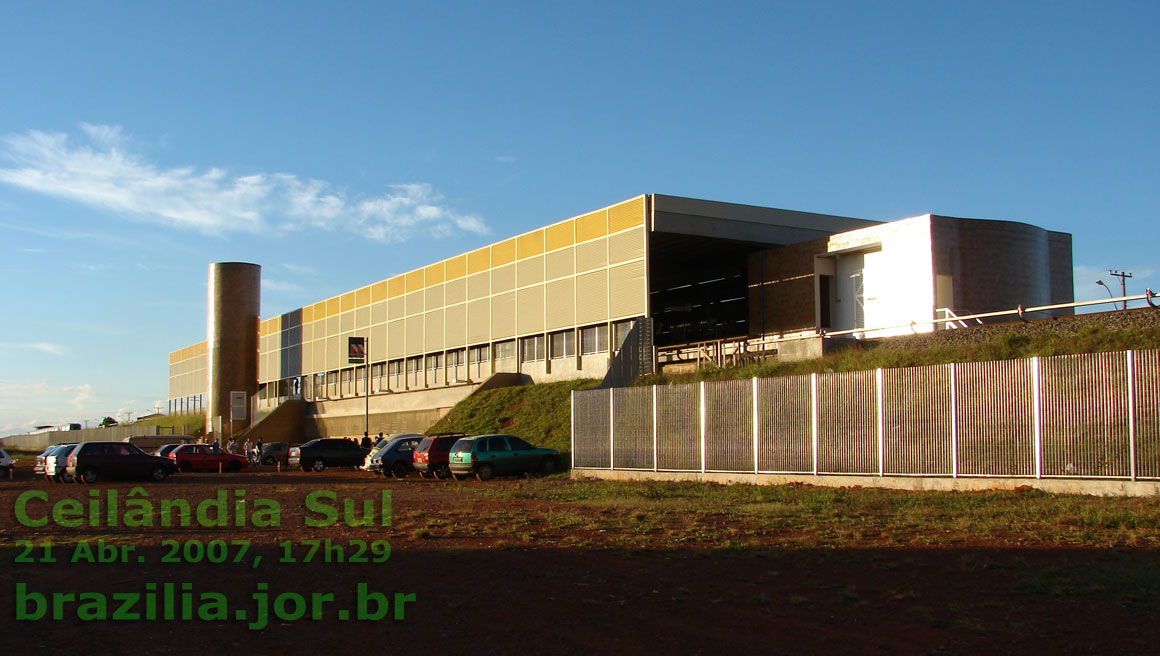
[
  {"x": 393, "y": 457},
  {"x": 206, "y": 457},
  {"x": 6, "y": 463},
  {"x": 325, "y": 452},
  {"x": 38, "y": 466},
  {"x": 488, "y": 456},
  {"x": 273, "y": 453},
  {"x": 56, "y": 463},
  {"x": 90, "y": 462},
  {"x": 433, "y": 454},
  {"x": 164, "y": 449}
]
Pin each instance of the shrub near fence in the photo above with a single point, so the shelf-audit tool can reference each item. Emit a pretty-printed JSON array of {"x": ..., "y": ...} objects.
[{"x": 1075, "y": 416}]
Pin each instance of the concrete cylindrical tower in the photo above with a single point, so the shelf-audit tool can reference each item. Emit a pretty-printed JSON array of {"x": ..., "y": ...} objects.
[{"x": 233, "y": 311}]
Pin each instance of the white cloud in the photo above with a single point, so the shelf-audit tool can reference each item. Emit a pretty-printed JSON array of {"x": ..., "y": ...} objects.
[
  {"x": 299, "y": 268},
  {"x": 26, "y": 405},
  {"x": 44, "y": 347},
  {"x": 106, "y": 174},
  {"x": 279, "y": 285}
]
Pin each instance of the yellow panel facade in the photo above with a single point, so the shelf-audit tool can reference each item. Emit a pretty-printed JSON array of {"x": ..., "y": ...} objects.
[
  {"x": 626, "y": 215},
  {"x": 627, "y": 291},
  {"x": 479, "y": 286},
  {"x": 530, "y": 271},
  {"x": 626, "y": 246},
  {"x": 455, "y": 326},
  {"x": 591, "y": 255},
  {"x": 379, "y": 291},
  {"x": 379, "y": 313},
  {"x": 378, "y": 343},
  {"x": 433, "y": 274},
  {"x": 530, "y": 312},
  {"x": 346, "y": 322},
  {"x": 592, "y": 297},
  {"x": 478, "y": 261},
  {"x": 362, "y": 297},
  {"x": 456, "y": 267},
  {"x": 478, "y": 321},
  {"x": 307, "y": 314},
  {"x": 433, "y": 297},
  {"x": 415, "y": 281},
  {"x": 333, "y": 306},
  {"x": 503, "y": 315},
  {"x": 559, "y": 264},
  {"x": 559, "y": 304},
  {"x": 395, "y": 340},
  {"x": 560, "y": 235},
  {"x": 591, "y": 226},
  {"x": 455, "y": 291},
  {"x": 396, "y": 308},
  {"x": 530, "y": 245},
  {"x": 503, "y": 279},
  {"x": 503, "y": 253},
  {"x": 415, "y": 303},
  {"x": 396, "y": 286},
  {"x": 433, "y": 331},
  {"x": 414, "y": 339}
]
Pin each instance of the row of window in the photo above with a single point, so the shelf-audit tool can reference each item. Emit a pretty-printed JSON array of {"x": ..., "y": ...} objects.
[{"x": 442, "y": 368}]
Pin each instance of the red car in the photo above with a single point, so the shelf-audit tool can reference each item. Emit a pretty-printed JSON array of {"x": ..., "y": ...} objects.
[
  {"x": 206, "y": 457},
  {"x": 432, "y": 455}
]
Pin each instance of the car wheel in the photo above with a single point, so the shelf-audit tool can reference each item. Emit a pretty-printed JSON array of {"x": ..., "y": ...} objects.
[
  {"x": 548, "y": 467},
  {"x": 185, "y": 467},
  {"x": 304, "y": 467},
  {"x": 485, "y": 472},
  {"x": 442, "y": 472},
  {"x": 426, "y": 474},
  {"x": 269, "y": 461},
  {"x": 159, "y": 474},
  {"x": 318, "y": 465},
  {"x": 65, "y": 478},
  {"x": 88, "y": 476},
  {"x": 399, "y": 469}
]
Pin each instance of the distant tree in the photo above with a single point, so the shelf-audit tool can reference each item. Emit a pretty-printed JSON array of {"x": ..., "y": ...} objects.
[{"x": 108, "y": 421}]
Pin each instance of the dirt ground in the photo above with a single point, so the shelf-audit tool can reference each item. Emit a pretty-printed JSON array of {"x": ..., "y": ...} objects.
[{"x": 497, "y": 573}]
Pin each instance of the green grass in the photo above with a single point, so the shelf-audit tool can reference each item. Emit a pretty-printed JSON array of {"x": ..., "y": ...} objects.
[
  {"x": 540, "y": 413},
  {"x": 913, "y": 352}
]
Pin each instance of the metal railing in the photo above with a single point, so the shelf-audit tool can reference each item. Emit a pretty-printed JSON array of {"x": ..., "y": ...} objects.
[{"x": 1080, "y": 416}]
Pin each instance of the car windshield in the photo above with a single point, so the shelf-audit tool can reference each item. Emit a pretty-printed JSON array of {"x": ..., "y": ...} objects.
[
  {"x": 462, "y": 445},
  {"x": 424, "y": 445}
]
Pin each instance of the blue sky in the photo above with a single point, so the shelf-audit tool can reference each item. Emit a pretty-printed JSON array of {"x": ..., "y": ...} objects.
[{"x": 339, "y": 143}]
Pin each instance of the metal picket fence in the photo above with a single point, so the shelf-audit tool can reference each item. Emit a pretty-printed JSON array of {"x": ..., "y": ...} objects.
[{"x": 1080, "y": 416}]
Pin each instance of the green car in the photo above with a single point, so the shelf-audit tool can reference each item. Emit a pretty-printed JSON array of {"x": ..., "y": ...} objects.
[{"x": 488, "y": 456}]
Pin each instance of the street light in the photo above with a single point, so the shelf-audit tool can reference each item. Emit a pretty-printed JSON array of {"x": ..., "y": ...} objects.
[{"x": 1108, "y": 290}]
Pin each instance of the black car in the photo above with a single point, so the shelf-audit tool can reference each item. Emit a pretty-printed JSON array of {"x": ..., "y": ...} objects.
[
  {"x": 273, "y": 453},
  {"x": 317, "y": 455},
  {"x": 90, "y": 462}
]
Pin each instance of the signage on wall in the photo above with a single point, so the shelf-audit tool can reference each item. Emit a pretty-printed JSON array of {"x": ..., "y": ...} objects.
[
  {"x": 356, "y": 350},
  {"x": 238, "y": 406}
]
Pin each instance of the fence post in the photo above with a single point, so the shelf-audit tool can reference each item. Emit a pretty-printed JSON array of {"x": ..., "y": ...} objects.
[
  {"x": 954, "y": 422},
  {"x": 1035, "y": 410},
  {"x": 756, "y": 427},
  {"x": 1132, "y": 413},
  {"x": 572, "y": 416},
  {"x": 656, "y": 451},
  {"x": 611, "y": 429},
  {"x": 703, "y": 413},
  {"x": 814, "y": 419},
  {"x": 880, "y": 420}
]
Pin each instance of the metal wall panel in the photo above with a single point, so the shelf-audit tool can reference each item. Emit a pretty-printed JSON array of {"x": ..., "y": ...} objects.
[
  {"x": 479, "y": 286},
  {"x": 1085, "y": 415},
  {"x": 1147, "y": 413},
  {"x": 679, "y": 427},
  {"x": 592, "y": 297},
  {"x": 592, "y": 422},
  {"x": 591, "y": 255},
  {"x": 785, "y": 425},
  {"x": 916, "y": 421},
  {"x": 560, "y": 263},
  {"x": 503, "y": 315},
  {"x": 530, "y": 316},
  {"x": 530, "y": 271},
  {"x": 455, "y": 326},
  {"x": 847, "y": 423},
  {"x": 479, "y": 321},
  {"x": 632, "y": 424},
  {"x": 628, "y": 295},
  {"x": 729, "y": 426},
  {"x": 503, "y": 279},
  {"x": 455, "y": 291},
  {"x": 626, "y": 246},
  {"x": 396, "y": 345},
  {"x": 414, "y": 340},
  {"x": 433, "y": 330},
  {"x": 433, "y": 297},
  {"x": 995, "y": 416},
  {"x": 560, "y": 304}
]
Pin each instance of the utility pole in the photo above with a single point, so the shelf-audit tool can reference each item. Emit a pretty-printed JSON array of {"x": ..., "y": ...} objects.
[{"x": 1122, "y": 275}]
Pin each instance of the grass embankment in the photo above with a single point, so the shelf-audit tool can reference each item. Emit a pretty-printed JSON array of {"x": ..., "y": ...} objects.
[
  {"x": 540, "y": 413},
  {"x": 907, "y": 352}
]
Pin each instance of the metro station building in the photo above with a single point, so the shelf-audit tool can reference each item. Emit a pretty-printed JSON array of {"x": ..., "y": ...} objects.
[{"x": 559, "y": 302}]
